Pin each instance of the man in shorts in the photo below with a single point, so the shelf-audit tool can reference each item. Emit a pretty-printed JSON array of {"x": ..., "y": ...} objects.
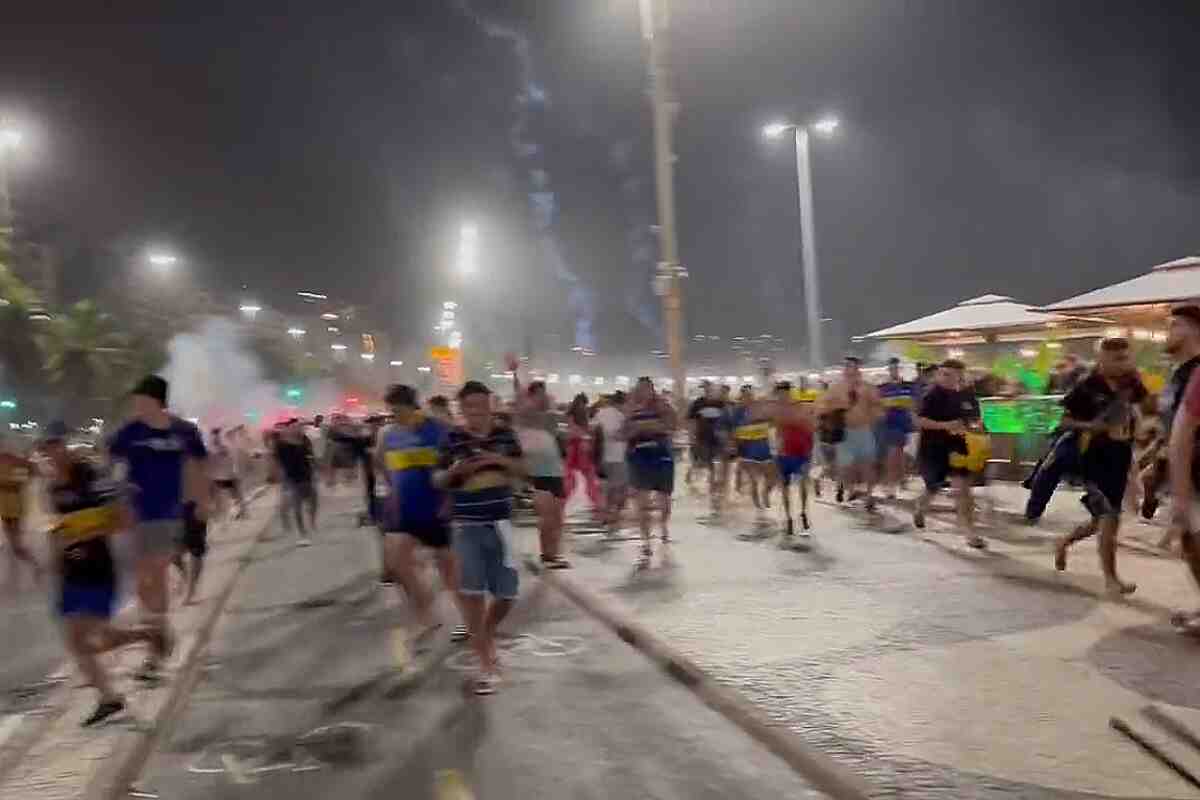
[
  {"x": 793, "y": 420},
  {"x": 751, "y": 425},
  {"x": 709, "y": 418},
  {"x": 222, "y": 465},
  {"x": 610, "y": 419},
  {"x": 15, "y": 473},
  {"x": 854, "y": 407},
  {"x": 166, "y": 465},
  {"x": 649, "y": 428},
  {"x": 1182, "y": 400},
  {"x": 1100, "y": 407},
  {"x": 295, "y": 464},
  {"x": 478, "y": 465},
  {"x": 537, "y": 428},
  {"x": 413, "y": 515},
  {"x": 946, "y": 410},
  {"x": 898, "y": 397}
]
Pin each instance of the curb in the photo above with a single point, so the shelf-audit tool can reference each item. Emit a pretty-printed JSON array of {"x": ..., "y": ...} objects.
[
  {"x": 130, "y": 755},
  {"x": 825, "y": 774}
]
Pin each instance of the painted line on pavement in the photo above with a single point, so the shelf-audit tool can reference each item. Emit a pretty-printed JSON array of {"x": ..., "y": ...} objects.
[
  {"x": 9, "y": 725},
  {"x": 823, "y": 772},
  {"x": 134, "y": 751}
]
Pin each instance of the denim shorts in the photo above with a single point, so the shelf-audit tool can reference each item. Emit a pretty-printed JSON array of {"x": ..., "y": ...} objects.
[
  {"x": 857, "y": 448},
  {"x": 486, "y": 560}
]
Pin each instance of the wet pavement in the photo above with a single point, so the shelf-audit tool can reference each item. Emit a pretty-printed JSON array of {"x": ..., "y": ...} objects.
[{"x": 305, "y": 694}]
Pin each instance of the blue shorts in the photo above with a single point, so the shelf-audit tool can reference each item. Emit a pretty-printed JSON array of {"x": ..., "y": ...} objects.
[
  {"x": 857, "y": 448},
  {"x": 81, "y": 600},
  {"x": 758, "y": 452},
  {"x": 652, "y": 476},
  {"x": 890, "y": 438},
  {"x": 792, "y": 467},
  {"x": 486, "y": 560}
]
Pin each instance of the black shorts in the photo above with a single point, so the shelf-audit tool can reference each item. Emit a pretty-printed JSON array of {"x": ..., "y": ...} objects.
[
  {"x": 553, "y": 485},
  {"x": 935, "y": 468},
  {"x": 1105, "y": 474},
  {"x": 195, "y": 532},
  {"x": 705, "y": 453},
  {"x": 430, "y": 534}
]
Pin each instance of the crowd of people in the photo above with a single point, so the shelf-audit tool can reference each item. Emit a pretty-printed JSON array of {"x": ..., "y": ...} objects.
[{"x": 447, "y": 477}]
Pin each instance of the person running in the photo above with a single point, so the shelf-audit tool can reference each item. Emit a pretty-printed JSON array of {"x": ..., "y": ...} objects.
[
  {"x": 709, "y": 418},
  {"x": 537, "y": 429},
  {"x": 15, "y": 473},
  {"x": 610, "y": 422},
  {"x": 413, "y": 511},
  {"x": 751, "y": 425},
  {"x": 295, "y": 465},
  {"x": 88, "y": 511},
  {"x": 853, "y": 405},
  {"x": 166, "y": 465},
  {"x": 945, "y": 413},
  {"x": 649, "y": 426},
  {"x": 1101, "y": 408},
  {"x": 478, "y": 465},
  {"x": 1181, "y": 401},
  {"x": 898, "y": 397},
  {"x": 580, "y": 456},
  {"x": 793, "y": 420},
  {"x": 223, "y": 468}
]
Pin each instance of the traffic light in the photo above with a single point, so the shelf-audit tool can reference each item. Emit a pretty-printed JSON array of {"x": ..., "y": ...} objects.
[
  {"x": 295, "y": 393},
  {"x": 8, "y": 405}
]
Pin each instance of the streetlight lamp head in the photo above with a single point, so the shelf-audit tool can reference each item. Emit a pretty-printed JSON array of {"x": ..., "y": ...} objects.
[
  {"x": 10, "y": 137},
  {"x": 826, "y": 125},
  {"x": 163, "y": 259},
  {"x": 775, "y": 129}
]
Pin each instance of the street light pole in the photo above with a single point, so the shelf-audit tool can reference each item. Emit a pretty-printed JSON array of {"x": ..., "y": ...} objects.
[
  {"x": 10, "y": 138},
  {"x": 670, "y": 274},
  {"x": 808, "y": 249}
]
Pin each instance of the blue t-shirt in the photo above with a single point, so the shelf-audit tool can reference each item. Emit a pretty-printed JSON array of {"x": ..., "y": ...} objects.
[
  {"x": 410, "y": 456},
  {"x": 753, "y": 435},
  {"x": 155, "y": 457},
  {"x": 899, "y": 400}
]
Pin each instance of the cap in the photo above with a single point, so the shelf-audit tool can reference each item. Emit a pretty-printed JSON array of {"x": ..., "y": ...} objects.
[
  {"x": 152, "y": 386},
  {"x": 850, "y": 358}
]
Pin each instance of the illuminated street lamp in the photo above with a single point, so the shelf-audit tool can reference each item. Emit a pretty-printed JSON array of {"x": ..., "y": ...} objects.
[
  {"x": 808, "y": 246},
  {"x": 396, "y": 363},
  {"x": 250, "y": 309},
  {"x": 162, "y": 261},
  {"x": 296, "y": 333},
  {"x": 367, "y": 356},
  {"x": 10, "y": 139},
  {"x": 337, "y": 347},
  {"x": 468, "y": 249}
]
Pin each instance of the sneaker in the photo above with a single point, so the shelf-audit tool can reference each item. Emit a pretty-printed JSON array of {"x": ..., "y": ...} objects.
[
  {"x": 485, "y": 684},
  {"x": 460, "y": 633},
  {"x": 790, "y": 528},
  {"x": 303, "y": 541},
  {"x": 804, "y": 522},
  {"x": 841, "y": 493},
  {"x": 919, "y": 519},
  {"x": 643, "y": 561},
  {"x": 149, "y": 671},
  {"x": 1116, "y": 588},
  {"x": 104, "y": 710},
  {"x": 976, "y": 541},
  {"x": 1149, "y": 507},
  {"x": 555, "y": 562}
]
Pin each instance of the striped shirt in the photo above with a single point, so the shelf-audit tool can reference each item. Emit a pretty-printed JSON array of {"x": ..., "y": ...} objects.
[{"x": 486, "y": 495}]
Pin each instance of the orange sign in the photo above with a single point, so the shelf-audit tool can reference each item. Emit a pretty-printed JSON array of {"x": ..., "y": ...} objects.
[{"x": 448, "y": 366}]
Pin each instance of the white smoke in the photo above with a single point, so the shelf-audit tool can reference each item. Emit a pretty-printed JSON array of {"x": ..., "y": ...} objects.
[{"x": 216, "y": 378}]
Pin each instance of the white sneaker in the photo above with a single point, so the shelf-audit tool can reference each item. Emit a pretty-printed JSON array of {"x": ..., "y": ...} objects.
[{"x": 304, "y": 541}]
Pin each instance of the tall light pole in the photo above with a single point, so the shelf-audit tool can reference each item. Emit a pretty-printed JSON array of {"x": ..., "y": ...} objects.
[
  {"x": 808, "y": 243},
  {"x": 670, "y": 274}
]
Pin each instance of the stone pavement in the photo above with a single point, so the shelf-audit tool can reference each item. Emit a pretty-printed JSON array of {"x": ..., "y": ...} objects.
[
  {"x": 931, "y": 669},
  {"x": 43, "y": 751}
]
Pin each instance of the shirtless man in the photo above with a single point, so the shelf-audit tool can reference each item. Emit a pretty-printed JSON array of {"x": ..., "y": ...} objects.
[{"x": 855, "y": 408}]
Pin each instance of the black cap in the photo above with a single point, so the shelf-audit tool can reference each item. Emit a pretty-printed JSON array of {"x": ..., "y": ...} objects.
[
  {"x": 850, "y": 358},
  {"x": 152, "y": 386},
  {"x": 893, "y": 361}
]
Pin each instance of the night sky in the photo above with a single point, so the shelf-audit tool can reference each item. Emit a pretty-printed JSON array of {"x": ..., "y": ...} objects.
[{"x": 1036, "y": 148}]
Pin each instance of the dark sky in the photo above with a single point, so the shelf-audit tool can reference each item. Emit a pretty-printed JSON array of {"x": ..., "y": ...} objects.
[{"x": 1030, "y": 147}]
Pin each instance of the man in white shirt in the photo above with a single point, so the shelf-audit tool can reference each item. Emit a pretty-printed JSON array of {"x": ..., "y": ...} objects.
[{"x": 610, "y": 419}]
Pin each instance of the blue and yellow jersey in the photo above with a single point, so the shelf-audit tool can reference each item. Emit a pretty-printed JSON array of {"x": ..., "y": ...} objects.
[
  {"x": 753, "y": 436},
  {"x": 410, "y": 455},
  {"x": 899, "y": 399}
]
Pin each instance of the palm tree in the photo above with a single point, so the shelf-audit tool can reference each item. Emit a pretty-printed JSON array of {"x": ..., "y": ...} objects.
[
  {"x": 85, "y": 357},
  {"x": 20, "y": 355}
]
